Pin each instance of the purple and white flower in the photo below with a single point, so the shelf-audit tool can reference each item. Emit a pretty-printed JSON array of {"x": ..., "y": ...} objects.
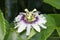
[{"x": 28, "y": 20}]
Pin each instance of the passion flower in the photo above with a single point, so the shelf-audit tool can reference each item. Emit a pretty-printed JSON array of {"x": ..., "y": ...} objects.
[{"x": 28, "y": 20}]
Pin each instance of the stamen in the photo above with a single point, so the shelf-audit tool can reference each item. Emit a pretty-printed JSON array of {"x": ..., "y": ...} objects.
[
  {"x": 34, "y": 10},
  {"x": 29, "y": 17},
  {"x": 26, "y": 10}
]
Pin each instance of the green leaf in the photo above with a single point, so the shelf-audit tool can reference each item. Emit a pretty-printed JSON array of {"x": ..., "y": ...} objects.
[
  {"x": 13, "y": 36},
  {"x": 56, "y": 18},
  {"x": 2, "y": 26},
  {"x": 58, "y": 30},
  {"x": 54, "y": 3},
  {"x": 57, "y": 21},
  {"x": 45, "y": 33}
]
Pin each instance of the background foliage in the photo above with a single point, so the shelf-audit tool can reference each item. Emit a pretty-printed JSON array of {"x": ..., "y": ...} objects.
[{"x": 9, "y": 9}]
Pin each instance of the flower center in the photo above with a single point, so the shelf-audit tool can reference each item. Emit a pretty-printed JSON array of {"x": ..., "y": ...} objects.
[{"x": 30, "y": 17}]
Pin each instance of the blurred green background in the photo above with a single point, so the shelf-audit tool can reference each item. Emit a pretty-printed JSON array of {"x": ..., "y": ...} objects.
[{"x": 11, "y": 9}]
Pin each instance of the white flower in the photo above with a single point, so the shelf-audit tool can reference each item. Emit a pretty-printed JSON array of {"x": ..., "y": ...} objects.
[{"x": 28, "y": 20}]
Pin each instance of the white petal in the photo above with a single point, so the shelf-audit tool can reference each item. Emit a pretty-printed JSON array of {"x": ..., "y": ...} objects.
[
  {"x": 36, "y": 13},
  {"x": 21, "y": 27},
  {"x": 18, "y": 18},
  {"x": 43, "y": 26},
  {"x": 16, "y": 26},
  {"x": 41, "y": 15},
  {"x": 36, "y": 27},
  {"x": 28, "y": 29},
  {"x": 42, "y": 19}
]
